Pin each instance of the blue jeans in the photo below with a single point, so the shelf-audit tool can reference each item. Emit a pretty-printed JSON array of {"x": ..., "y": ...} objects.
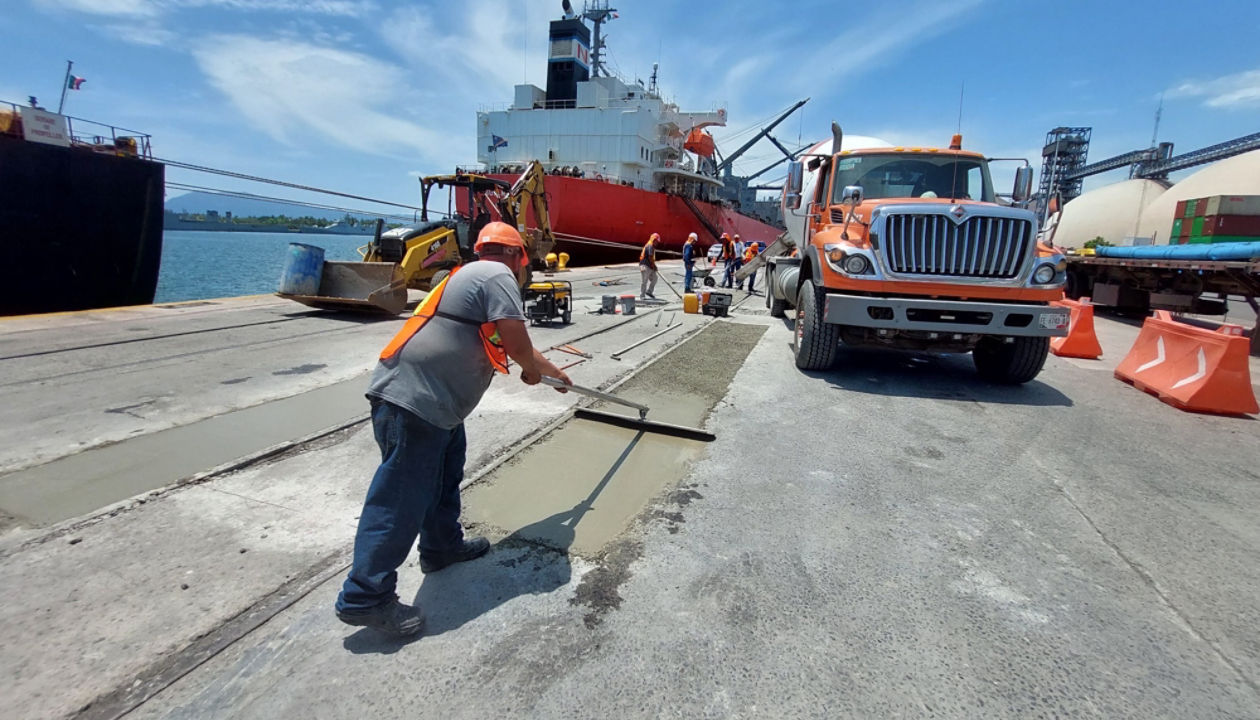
[
  {"x": 728, "y": 274},
  {"x": 415, "y": 492},
  {"x": 752, "y": 279},
  {"x": 687, "y": 276}
]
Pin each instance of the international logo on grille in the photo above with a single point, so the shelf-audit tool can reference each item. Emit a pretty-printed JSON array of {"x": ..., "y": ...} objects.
[{"x": 959, "y": 212}]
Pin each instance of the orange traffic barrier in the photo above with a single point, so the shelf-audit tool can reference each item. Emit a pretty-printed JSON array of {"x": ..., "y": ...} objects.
[
  {"x": 1191, "y": 368},
  {"x": 1080, "y": 342}
]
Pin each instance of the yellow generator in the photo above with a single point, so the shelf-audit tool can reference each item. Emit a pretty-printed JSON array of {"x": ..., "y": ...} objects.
[{"x": 548, "y": 300}]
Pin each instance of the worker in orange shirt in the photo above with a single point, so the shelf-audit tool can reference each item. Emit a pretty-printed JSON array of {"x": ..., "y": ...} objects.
[
  {"x": 728, "y": 258},
  {"x": 750, "y": 252},
  {"x": 647, "y": 267}
]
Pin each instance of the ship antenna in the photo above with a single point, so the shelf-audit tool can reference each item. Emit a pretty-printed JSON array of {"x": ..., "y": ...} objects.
[
  {"x": 652, "y": 86},
  {"x": 598, "y": 13}
]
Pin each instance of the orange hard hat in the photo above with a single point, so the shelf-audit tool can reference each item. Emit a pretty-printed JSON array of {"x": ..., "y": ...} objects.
[
  {"x": 499, "y": 233},
  {"x": 726, "y": 236}
]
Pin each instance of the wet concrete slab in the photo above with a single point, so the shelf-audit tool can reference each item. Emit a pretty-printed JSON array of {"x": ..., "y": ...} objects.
[{"x": 582, "y": 485}]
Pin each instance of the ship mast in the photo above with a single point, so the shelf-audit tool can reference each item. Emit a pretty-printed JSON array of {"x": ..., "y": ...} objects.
[{"x": 598, "y": 12}]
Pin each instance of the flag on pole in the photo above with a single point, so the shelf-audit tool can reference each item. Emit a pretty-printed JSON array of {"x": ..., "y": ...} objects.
[
  {"x": 497, "y": 141},
  {"x": 75, "y": 82}
]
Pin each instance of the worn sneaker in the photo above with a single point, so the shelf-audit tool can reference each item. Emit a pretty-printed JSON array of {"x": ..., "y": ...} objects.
[
  {"x": 391, "y": 618},
  {"x": 473, "y": 548}
]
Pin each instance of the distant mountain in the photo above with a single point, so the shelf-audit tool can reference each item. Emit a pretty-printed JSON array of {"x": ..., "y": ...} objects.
[{"x": 200, "y": 202}]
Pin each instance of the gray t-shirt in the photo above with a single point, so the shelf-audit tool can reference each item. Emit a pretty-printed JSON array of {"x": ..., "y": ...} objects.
[{"x": 442, "y": 372}]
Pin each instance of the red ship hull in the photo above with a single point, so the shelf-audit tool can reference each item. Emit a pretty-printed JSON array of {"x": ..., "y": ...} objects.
[{"x": 584, "y": 210}]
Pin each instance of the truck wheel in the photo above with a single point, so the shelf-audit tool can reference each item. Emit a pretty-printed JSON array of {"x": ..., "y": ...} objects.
[
  {"x": 1010, "y": 363},
  {"x": 778, "y": 306},
  {"x": 438, "y": 277},
  {"x": 815, "y": 342}
]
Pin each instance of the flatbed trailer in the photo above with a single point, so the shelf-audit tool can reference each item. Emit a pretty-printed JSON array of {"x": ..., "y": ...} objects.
[{"x": 1201, "y": 287}]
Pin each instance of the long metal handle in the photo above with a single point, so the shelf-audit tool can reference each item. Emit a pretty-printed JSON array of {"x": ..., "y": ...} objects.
[{"x": 555, "y": 382}]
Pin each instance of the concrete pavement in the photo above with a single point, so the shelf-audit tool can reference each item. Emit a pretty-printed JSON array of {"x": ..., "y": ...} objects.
[{"x": 891, "y": 538}]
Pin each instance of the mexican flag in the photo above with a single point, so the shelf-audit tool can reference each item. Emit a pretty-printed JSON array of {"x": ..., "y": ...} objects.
[{"x": 74, "y": 82}]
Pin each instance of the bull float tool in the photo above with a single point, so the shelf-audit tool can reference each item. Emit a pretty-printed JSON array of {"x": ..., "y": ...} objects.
[{"x": 641, "y": 423}]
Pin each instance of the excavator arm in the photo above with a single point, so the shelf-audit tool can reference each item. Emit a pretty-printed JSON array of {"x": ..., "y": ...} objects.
[{"x": 530, "y": 192}]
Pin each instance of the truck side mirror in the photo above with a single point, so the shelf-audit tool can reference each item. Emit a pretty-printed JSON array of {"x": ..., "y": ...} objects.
[
  {"x": 1023, "y": 184},
  {"x": 852, "y": 194},
  {"x": 792, "y": 185}
]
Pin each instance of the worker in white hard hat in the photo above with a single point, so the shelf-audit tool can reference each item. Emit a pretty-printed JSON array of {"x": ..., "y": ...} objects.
[
  {"x": 423, "y": 387},
  {"x": 691, "y": 251}
]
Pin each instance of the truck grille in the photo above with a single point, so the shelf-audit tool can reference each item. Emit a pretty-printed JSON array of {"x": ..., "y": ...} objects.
[{"x": 986, "y": 247}]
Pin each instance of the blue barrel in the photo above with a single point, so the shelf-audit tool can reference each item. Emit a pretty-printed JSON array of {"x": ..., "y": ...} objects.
[{"x": 302, "y": 269}]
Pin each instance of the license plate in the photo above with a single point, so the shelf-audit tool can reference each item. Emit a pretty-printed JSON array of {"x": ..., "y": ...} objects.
[{"x": 1054, "y": 321}]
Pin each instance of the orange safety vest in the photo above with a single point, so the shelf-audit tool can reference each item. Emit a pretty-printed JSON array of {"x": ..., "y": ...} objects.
[
  {"x": 728, "y": 249},
  {"x": 643, "y": 254},
  {"x": 750, "y": 252},
  {"x": 428, "y": 309}
]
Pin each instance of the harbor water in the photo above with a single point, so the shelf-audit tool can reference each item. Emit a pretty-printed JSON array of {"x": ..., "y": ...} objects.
[{"x": 201, "y": 265}]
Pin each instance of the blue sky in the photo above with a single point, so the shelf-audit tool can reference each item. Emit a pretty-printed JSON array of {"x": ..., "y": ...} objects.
[{"x": 363, "y": 95}]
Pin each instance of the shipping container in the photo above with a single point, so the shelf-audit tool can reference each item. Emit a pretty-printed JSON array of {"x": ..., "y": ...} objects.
[
  {"x": 1196, "y": 226},
  {"x": 1176, "y": 231},
  {"x": 1232, "y": 225},
  {"x": 1181, "y": 210},
  {"x": 1230, "y": 205},
  {"x": 1216, "y": 239}
]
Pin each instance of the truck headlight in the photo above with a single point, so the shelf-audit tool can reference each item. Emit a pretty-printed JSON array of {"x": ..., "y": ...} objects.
[
  {"x": 1044, "y": 274},
  {"x": 856, "y": 264}
]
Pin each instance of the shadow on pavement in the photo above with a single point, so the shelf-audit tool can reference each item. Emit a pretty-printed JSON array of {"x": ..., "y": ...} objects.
[
  {"x": 531, "y": 561},
  {"x": 899, "y": 373}
]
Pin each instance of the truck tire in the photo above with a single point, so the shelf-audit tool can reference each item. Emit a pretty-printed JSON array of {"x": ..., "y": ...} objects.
[
  {"x": 814, "y": 342},
  {"x": 1012, "y": 363},
  {"x": 438, "y": 277},
  {"x": 778, "y": 306}
]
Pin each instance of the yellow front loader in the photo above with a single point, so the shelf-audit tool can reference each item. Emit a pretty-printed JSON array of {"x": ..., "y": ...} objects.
[{"x": 420, "y": 257}]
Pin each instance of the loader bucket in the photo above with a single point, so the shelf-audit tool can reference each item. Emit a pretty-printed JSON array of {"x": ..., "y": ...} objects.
[{"x": 358, "y": 287}]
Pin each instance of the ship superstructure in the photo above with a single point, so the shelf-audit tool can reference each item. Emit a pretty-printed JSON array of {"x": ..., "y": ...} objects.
[{"x": 622, "y": 162}]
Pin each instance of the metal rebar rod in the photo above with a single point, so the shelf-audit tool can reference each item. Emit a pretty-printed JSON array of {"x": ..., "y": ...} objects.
[{"x": 617, "y": 355}]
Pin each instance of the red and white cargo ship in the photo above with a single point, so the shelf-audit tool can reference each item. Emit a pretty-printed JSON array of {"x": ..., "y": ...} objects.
[{"x": 622, "y": 163}]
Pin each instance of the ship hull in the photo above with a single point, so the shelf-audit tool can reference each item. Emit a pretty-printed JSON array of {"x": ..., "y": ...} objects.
[
  {"x": 79, "y": 229},
  {"x": 619, "y": 220}
]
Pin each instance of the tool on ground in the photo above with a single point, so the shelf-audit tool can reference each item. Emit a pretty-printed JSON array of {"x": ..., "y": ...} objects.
[
  {"x": 641, "y": 423},
  {"x": 617, "y": 355},
  {"x": 575, "y": 362},
  {"x": 566, "y": 348}
]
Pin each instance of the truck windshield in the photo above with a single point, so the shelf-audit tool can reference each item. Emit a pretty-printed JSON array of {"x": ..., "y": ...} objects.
[{"x": 901, "y": 175}]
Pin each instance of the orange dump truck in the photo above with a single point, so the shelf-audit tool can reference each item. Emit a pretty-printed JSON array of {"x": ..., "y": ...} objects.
[{"x": 910, "y": 248}]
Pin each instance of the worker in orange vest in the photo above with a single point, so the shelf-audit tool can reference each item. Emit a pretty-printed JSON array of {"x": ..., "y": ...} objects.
[
  {"x": 750, "y": 252},
  {"x": 728, "y": 258},
  {"x": 429, "y": 378},
  {"x": 647, "y": 267}
]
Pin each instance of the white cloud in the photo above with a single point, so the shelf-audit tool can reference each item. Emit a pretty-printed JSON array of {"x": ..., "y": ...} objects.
[
  {"x": 1230, "y": 91},
  {"x": 482, "y": 57},
  {"x": 150, "y": 8},
  {"x": 123, "y": 8},
  {"x": 147, "y": 33},
  {"x": 286, "y": 88}
]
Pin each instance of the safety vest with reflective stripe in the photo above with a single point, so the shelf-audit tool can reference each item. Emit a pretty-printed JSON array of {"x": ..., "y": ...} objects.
[
  {"x": 647, "y": 256},
  {"x": 750, "y": 252},
  {"x": 428, "y": 309}
]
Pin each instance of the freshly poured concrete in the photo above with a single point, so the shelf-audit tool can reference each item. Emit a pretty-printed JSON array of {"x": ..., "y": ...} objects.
[{"x": 581, "y": 486}]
